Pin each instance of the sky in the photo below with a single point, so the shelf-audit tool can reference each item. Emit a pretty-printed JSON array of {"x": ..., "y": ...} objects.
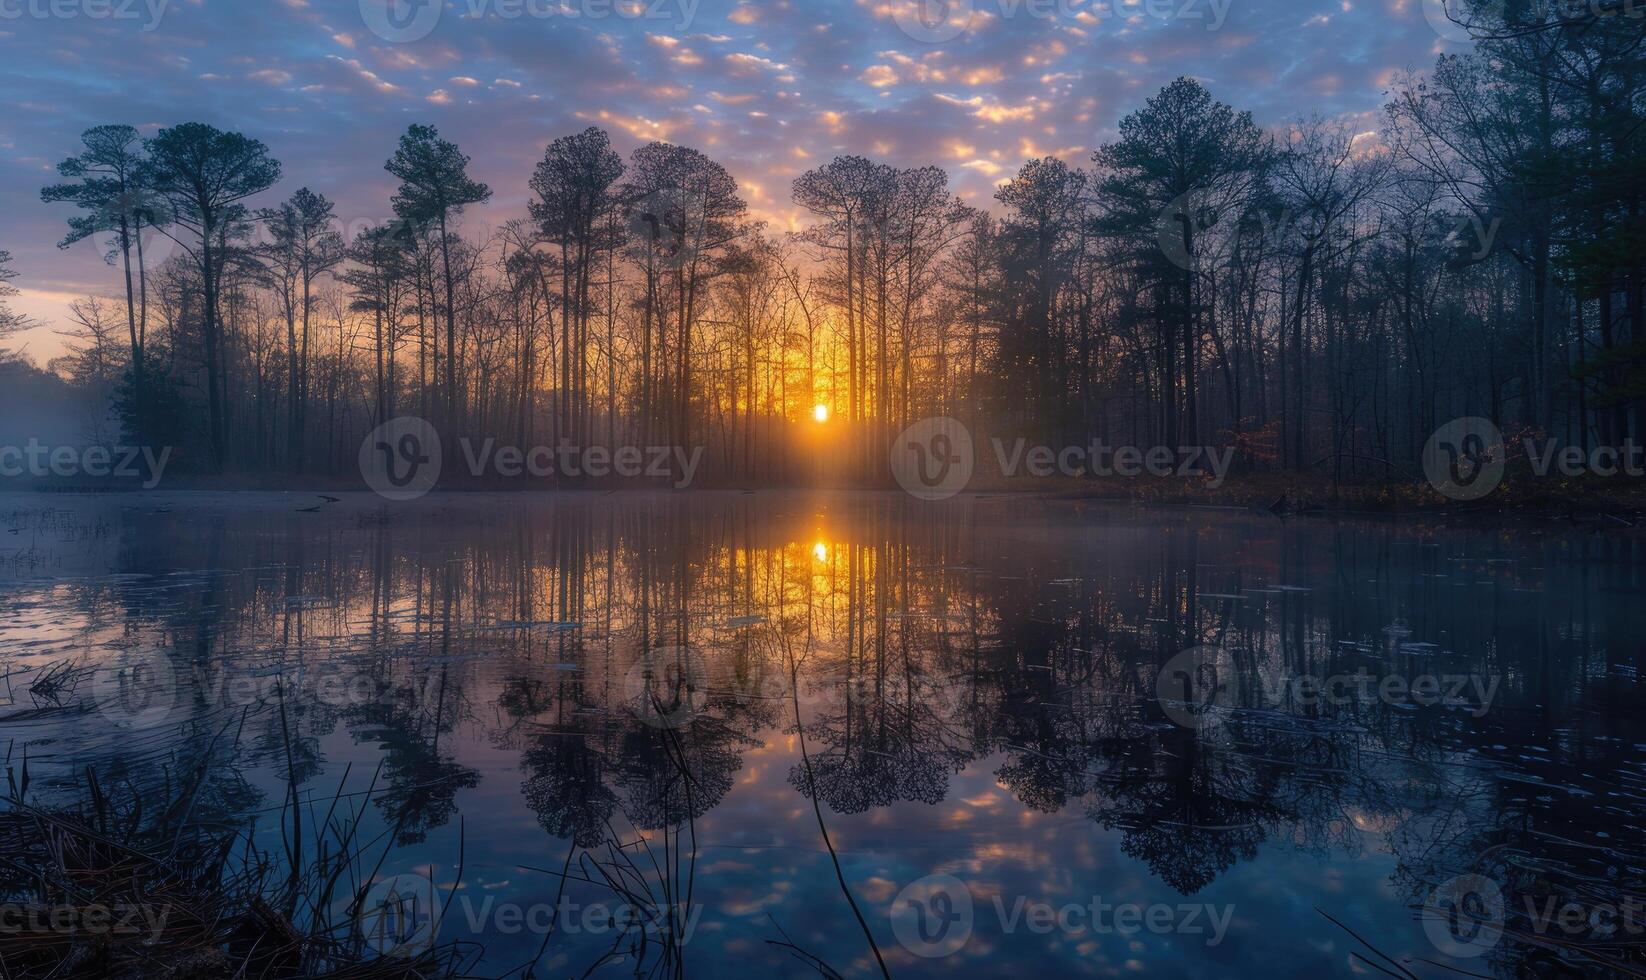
[{"x": 769, "y": 88}]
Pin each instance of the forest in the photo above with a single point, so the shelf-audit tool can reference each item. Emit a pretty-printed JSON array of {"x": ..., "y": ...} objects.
[{"x": 1314, "y": 297}]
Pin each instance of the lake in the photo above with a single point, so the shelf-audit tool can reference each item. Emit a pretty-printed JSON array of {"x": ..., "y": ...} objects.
[{"x": 764, "y": 734}]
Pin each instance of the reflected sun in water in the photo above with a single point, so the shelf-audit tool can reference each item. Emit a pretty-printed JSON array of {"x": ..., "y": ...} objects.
[{"x": 973, "y": 686}]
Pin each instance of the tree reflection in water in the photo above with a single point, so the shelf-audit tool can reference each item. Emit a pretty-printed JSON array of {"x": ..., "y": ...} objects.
[{"x": 488, "y": 650}]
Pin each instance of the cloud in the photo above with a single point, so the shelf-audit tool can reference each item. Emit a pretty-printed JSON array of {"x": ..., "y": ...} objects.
[
  {"x": 753, "y": 62},
  {"x": 768, "y": 87},
  {"x": 879, "y": 76},
  {"x": 366, "y": 75},
  {"x": 992, "y": 110}
]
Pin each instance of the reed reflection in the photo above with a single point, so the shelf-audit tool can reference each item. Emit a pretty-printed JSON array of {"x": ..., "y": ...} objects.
[{"x": 634, "y": 660}]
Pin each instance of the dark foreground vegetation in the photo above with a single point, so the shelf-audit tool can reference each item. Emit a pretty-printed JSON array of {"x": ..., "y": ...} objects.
[{"x": 114, "y": 888}]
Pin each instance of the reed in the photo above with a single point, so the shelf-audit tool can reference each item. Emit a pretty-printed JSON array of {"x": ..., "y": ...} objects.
[{"x": 112, "y": 886}]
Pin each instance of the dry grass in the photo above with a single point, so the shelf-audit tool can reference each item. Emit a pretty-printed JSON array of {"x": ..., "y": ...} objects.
[{"x": 111, "y": 888}]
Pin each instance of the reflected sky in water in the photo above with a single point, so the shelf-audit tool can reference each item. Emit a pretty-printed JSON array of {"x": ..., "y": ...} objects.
[{"x": 512, "y": 679}]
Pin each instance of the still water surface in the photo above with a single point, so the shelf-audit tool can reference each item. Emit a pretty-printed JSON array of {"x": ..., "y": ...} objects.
[{"x": 503, "y": 681}]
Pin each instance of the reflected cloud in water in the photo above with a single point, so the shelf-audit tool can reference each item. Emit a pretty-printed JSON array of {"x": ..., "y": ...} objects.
[{"x": 979, "y": 688}]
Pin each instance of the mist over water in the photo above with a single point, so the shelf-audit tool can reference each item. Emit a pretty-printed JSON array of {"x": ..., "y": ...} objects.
[{"x": 506, "y": 676}]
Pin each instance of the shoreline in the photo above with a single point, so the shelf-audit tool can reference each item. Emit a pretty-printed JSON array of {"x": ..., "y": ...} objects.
[{"x": 1620, "y": 504}]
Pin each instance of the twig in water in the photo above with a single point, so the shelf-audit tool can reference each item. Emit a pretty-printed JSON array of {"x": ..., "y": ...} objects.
[{"x": 811, "y": 791}]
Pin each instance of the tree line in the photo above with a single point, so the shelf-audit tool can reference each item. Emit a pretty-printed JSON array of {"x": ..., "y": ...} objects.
[{"x": 1317, "y": 297}]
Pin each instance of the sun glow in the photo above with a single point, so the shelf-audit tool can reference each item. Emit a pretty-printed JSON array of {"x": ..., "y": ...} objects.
[
  {"x": 820, "y": 413},
  {"x": 820, "y": 551}
]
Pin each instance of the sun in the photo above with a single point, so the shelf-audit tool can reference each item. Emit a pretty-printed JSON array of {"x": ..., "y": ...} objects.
[
  {"x": 820, "y": 413},
  {"x": 820, "y": 551}
]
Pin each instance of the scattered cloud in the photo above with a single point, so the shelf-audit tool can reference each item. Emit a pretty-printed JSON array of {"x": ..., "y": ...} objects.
[{"x": 769, "y": 87}]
